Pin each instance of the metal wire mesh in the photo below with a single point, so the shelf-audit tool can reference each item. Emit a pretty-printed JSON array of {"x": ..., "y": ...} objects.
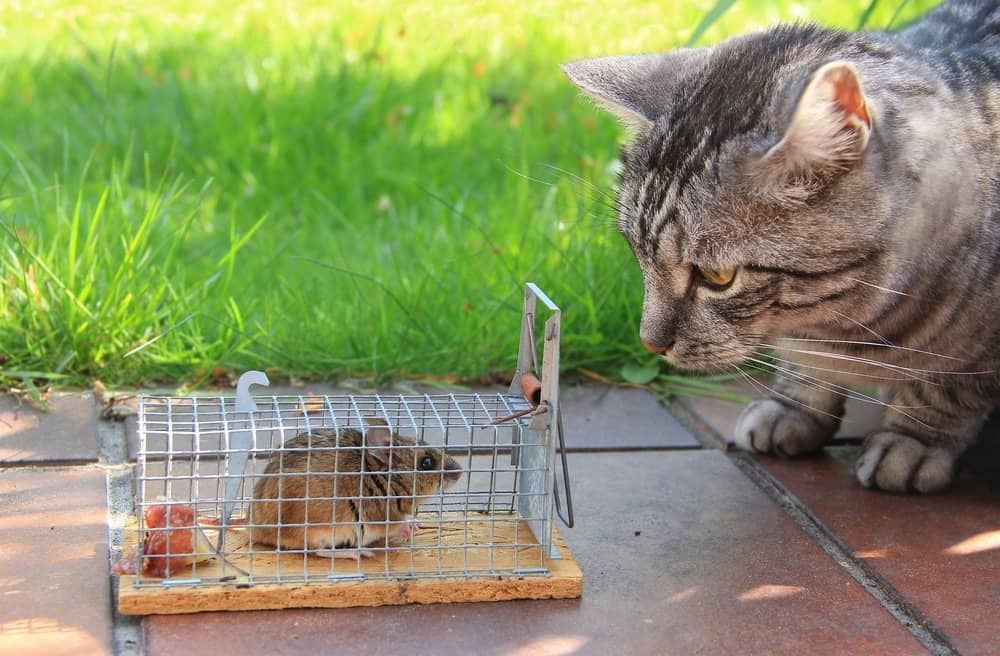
[{"x": 478, "y": 525}]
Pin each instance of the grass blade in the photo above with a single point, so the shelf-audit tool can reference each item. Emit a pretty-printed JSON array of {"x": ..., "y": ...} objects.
[
  {"x": 867, "y": 14},
  {"x": 708, "y": 20}
]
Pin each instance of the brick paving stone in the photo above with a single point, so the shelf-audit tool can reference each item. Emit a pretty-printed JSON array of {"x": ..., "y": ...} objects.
[
  {"x": 941, "y": 552},
  {"x": 681, "y": 555},
  {"x": 54, "y": 562},
  {"x": 65, "y": 433}
]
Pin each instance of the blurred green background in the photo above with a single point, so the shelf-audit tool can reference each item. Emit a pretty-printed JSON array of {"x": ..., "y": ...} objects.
[{"x": 321, "y": 188}]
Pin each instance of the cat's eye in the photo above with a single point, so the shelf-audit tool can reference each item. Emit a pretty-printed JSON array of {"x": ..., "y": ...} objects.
[{"x": 721, "y": 277}]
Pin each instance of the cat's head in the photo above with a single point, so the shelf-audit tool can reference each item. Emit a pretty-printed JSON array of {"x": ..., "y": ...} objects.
[{"x": 744, "y": 197}]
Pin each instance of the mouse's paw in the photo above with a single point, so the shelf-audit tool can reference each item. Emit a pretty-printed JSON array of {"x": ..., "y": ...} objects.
[
  {"x": 767, "y": 426},
  {"x": 407, "y": 529},
  {"x": 353, "y": 554},
  {"x": 899, "y": 463}
]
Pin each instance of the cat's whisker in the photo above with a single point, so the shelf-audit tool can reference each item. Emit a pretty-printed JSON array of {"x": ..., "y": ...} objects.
[
  {"x": 604, "y": 216},
  {"x": 886, "y": 344},
  {"x": 768, "y": 390},
  {"x": 816, "y": 383},
  {"x": 608, "y": 202},
  {"x": 839, "y": 371},
  {"x": 860, "y": 325},
  {"x": 793, "y": 370},
  {"x": 879, "y": 287},
  {"x": 804, "y": 378},
  {"x": 582, "y": 180},
  {"x": 527, "y": 177},
  {"x": 747, "y": 377},
  {"x": 907, "y": 374},
  {"x": 911, "y": 372}
]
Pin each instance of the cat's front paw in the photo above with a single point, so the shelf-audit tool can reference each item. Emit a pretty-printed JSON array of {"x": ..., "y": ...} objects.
[
  {"x": 899, "y": 463},
  {"x": 767, "y": 426}
]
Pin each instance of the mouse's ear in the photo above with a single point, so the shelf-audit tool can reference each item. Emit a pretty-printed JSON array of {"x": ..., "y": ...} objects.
[{"x": 378, "y": 438}]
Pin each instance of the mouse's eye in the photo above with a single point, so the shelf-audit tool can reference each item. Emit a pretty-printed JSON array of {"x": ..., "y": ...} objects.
[
  {"x": 427, "y": 462},
  {"x": 718, "y": 278}
]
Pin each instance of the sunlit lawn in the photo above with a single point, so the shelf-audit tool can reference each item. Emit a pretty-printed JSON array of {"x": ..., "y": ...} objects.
[{"x": 335, "y": 189}]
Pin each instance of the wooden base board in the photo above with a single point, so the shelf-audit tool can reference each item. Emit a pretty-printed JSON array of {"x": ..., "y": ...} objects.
[{"x": 433, "y": 549}]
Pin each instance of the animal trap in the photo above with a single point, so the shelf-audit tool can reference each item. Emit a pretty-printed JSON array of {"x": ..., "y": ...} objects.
[{"x": 254, "y": 501}]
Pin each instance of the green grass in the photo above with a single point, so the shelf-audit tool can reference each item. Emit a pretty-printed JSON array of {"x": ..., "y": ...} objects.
[{"x": 325, "y": 191}]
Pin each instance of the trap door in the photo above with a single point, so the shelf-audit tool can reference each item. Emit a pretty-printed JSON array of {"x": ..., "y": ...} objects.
[{"x": 535, "y": 456}]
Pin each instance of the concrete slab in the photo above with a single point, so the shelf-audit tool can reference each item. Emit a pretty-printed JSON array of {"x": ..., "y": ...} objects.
[
  {"x": 619, "y": 419},
  {"x": 64, "y": 434}
]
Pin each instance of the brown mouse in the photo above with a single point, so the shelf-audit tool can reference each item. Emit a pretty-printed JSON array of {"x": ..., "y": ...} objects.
[{"x": 377, "y": 490}]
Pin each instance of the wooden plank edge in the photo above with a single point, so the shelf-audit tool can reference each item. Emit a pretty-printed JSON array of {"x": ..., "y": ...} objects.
[
  {"x": 344, "y": 594},
  {"x": 564, "y": 582}
]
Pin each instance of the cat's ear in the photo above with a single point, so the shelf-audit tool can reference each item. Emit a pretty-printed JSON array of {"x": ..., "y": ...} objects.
[
  {"x": 635, "y": 88},
  {"x": 828, "y": 132}
]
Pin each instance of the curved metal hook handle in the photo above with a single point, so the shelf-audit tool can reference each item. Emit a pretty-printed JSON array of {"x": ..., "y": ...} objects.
[
  {"x": 244, "y": 402},
  {"x": 240, "y": 441}
]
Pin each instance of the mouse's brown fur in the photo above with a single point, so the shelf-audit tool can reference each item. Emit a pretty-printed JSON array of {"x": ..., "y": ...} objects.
[{"x": 343, "y": 489}]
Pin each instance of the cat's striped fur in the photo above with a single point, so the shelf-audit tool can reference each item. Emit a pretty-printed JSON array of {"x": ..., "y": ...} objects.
[{"x": 852, "y": 182}]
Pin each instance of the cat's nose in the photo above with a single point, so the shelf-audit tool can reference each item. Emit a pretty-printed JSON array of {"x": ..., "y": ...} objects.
[{"x": 657, "y": 349}]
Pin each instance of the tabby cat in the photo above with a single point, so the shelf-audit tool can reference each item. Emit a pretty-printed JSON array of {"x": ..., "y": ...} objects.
[{"x": 825, "y": 204}]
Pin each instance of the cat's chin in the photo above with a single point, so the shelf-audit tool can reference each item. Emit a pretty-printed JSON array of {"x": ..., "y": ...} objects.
[
  {"x": 704, "y": 366},
  {"x": 709, "y": 359}
]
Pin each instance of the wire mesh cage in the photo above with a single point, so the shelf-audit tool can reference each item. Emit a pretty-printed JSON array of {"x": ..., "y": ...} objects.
[{"x": 252, "y": 492}]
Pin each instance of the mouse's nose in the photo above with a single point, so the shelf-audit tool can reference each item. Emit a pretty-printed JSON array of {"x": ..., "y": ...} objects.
[{"x": 656, "y": 348}]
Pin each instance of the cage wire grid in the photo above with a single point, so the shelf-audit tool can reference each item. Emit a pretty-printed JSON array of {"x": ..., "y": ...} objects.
[{"x": 207, "y": 454}]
